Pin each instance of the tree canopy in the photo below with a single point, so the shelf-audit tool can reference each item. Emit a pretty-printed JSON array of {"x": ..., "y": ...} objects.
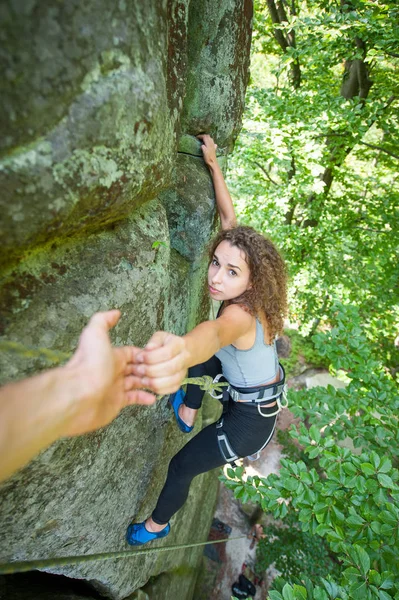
[{"x": 316, "y": 168}]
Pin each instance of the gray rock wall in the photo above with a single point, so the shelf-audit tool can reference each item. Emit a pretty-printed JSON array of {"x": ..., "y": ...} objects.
[{"x": 100, "y": 104}]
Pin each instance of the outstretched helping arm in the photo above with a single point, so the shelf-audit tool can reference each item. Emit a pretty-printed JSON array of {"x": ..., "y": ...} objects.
[
  {"x": 85, "y": 394},
  {"x": 223, "y": 199}
]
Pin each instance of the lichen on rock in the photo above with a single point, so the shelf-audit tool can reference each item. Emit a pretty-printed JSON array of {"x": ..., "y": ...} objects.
[{"x": 106, "y": 202}]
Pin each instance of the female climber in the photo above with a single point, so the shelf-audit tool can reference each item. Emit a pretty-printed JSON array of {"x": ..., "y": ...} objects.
[{"x": 247, "y": 276}]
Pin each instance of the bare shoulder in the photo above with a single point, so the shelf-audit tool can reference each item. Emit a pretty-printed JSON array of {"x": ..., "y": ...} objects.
[
  {"x": 239, "y": 325},
  {"x": 238, "y": 314}
]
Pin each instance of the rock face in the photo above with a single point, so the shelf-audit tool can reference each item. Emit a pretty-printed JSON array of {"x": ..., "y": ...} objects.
[{"x": 99, "y": 107}]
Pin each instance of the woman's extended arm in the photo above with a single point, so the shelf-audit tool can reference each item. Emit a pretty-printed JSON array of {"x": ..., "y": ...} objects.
[
  {"x": 223, "y": 198},
  {"x": 167, "y": 355}
]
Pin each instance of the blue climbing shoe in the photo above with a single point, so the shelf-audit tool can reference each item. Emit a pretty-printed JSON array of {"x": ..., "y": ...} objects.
[
  {"x": 176, "y": 401},
  {"x": 137, "y": 534}
]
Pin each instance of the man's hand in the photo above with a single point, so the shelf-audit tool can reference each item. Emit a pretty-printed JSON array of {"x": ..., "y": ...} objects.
[
  {"x": 103, "y": 376},
  {"x": 87, "y": 393},
  {"x": 162, "y": 364}
]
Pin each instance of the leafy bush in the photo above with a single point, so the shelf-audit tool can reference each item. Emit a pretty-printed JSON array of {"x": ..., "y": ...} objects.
[
  {"x": 302, "y": 349},
  {"x": 316, "y": 169},
  {"x": 352, "y": 499},
  {"x": 294, "y": 552}
]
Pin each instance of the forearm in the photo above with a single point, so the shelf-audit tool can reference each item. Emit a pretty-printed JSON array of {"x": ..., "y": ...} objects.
[
  {"x": 33, "y": 414},
  {"x": 163, "y": 364},
  {"x": 201, "y": 343},
  {"x": 223, "y": 198}
]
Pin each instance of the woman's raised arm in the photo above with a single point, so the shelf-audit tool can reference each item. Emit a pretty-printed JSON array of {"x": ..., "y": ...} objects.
[{"x": 223, "y": 199}]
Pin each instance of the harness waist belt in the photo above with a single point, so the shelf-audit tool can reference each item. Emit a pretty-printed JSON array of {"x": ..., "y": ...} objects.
[{"x": 259, "y": 394}]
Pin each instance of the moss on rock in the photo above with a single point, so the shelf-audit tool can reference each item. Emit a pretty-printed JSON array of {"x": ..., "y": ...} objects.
[{"x": 98, "y": 210}]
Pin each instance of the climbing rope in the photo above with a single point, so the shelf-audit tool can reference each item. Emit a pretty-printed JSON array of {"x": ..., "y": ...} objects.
[
  {"x": 22, "y": 566},
  {"x": 206, "y": 383},
  {"x": 55, "y": 357}
]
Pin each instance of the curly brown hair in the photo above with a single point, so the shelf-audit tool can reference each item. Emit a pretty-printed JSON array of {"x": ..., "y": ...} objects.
[{"x": 267, "y": 297}]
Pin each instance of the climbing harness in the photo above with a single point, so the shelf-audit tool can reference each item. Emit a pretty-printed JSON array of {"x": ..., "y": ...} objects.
[
  {"x": 22, "y": 566},
  {"x": 261, "y": 396}
]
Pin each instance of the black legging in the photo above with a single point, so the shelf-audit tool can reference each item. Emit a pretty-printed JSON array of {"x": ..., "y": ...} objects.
[{"x": 245, "y": 428}]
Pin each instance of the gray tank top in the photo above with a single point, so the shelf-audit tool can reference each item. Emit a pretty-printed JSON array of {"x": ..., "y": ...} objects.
[{"x": 250, "y": 368}]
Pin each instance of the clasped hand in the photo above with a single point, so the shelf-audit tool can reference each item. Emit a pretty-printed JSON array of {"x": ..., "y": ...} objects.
[
  {"x": 107, "y": 378},
  {"x": 162, "y": 365}
]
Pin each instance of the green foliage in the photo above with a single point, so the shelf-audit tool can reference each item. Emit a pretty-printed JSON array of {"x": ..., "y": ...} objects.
[
  {"x": 316, "y": 169},
  {"x": 366, "y": 410},
  {"x": 351, "y": 500},
  {"x": 159, "y": 244},
  {"x": 303, "y": 351},
  {"x": 294, "y": 552},
  {"x": 293, "y": 451},
  {"x": 303, "y": 589}
]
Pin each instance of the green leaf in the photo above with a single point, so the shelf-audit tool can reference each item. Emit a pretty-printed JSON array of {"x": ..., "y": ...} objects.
[
  {"x": 239, "y": 471},
  {"x": 385, "y": 481},
  {"x": 239, "y": 490},
  {"x": 385, "y": 466},
  {"x": 383, "y": 595},
  {"x": 380, "y": 497},
  {"x": 375, "y": 459},
  {"x": 349, "y": 468},
  {"x": 374, "y": 577},
  {"x": 376, "y": 527},
  {"x": 319, "y": 594},
  {"x": 291, "y": 484},
  {"x": 300, "y": 592},
  {"x": 314, "y": 433},
  {"x": 245, "y": 497},
  {"x": 314, "y": 452},
  {"x": 288, "y": 592},
  {"x": 364, "y": 559},
  {"x": 352, "y": 575},
  {"x": 358, "y": 590},
  {"x": 336, "y": 535},
  {"x": 338, "y": 514},
  {"x": 273, "y": 595},
  {"x": 331, "y": 588},
  {"x": 159, "y": 243},
  {"x": 367, "y": 468},
  {"x": 389, "y": 518},
  {"x": 322, "y": 529},
  {"x": 361, "y": 485},
  {"x": 372, "y": 486},
  {"x": 388, "y": 582},
  {"x": 355, "y": 520}
]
